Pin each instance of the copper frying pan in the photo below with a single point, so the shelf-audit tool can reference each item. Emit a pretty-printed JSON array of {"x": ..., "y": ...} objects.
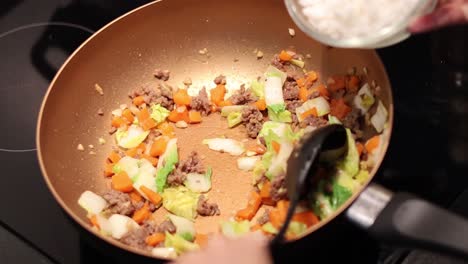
[{"x": 168, "y": 34}]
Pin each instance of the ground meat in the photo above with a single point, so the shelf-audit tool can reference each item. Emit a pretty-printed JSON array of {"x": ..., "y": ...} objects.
[
  {"x": 161, "y": 94},
  {"x": 221, "y": 79},
  {"x": 264, "y": 218},
  {"x": 242, "y": 96},
  {"x": 278, "y": 188},
  {"x": 352, "y": 122},
  {"x": 277, "y": 62},
  {"x": 152, "y": 136},
  {"x": 338, "y": 94},
  {"x": 136, "y": 238},
  {"x": 162, "y": 74},
  {"x": 253, "y": 120},
  {"x": 313, "y": 121},
  {"x": 166, "y": 226},
  {"x": 119, "y": 203},
  {"x": 191, "y": 164},
  {"x": 100, "y": 112},
  {"x": 291, "y": 90},
  {"x": 201, "y": 102},
  {"x": 140, "y": 204},
  {"x": 207, "y": 209},
  {"x": 291, "y": 105}
]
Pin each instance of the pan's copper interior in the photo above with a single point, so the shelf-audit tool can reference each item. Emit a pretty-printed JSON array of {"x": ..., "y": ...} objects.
[{"x": 169, "y": 34}]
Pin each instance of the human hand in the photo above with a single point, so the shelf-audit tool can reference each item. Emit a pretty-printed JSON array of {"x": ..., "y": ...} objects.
[
  {"x": 251, "y": 249},
  {"x": 447, "y": 12}
]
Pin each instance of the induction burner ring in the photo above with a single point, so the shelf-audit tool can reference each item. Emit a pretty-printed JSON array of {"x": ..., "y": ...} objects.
[{"x": 31, "y": 55}]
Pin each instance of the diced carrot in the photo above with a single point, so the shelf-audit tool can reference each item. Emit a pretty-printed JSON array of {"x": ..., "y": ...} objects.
[
  {"x": 303, "y": 93},
  {"x": 166, "y": 129},
  {"x": 312, "y": 76},
  {"x": 139, "y": 100},
  {"x": 323, "y": 91},
  {"x": 142, "y": 214},
  {"x": 148, "y": 124},
  {"x": 311, "y": 112},
  {"x": 257, "y": 148},
  {"x": 154, "y": 197},
  {"x": 143, "y": 115},
  {"x": 142, "y": 147},
  {"x": 153, "y": 160},
  {"x": 108, "y": 169},
  {"x": 135, "y": 196},
  {"x": 283, "y": 208},
  {"x": 225, "y": 103},
  {"x": 217, "y": 94},
  {"x": 276, "y": 146},
  {"x": 252, "y": 207},
  {"x": 255, "y": 227},
  {"x": 301, "y": 82},
  {"x": 201, "y": 239},
  {"x": 265, "y": 191},
  {"x": 260, "y": 104},
  {"x": 94, "y": 221},
  {"x": 336, "y": 83},
  {"x": 195, "y": 117},
  {"x": 121, "y": 182},
  {"x": 179, "y": 114},
  {"x": 359, "y": 148},
  {"x": 214, "y": 108},
  {"x": 306, "y": 217},
  {"x": 132, "y": 152},
  {"x": 114, "y": 157},
  {"x": 339, "y": 108},
  {"x": 372, "y": 144},
  {"x": 181, "y": 97},
  {"x": 127, "y": 114},
  {"x": 353, "y": 83},
  {"x": 118, "y": 121},
  {"x": 275, "y": 218},
  {"x": 285, "y": 56},
  {"x": 158, "y": 147},
  {"x": 154, "y": 239}
]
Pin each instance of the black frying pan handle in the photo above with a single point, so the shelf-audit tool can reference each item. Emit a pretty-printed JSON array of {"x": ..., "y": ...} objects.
[{"x": 405, "y": 220}]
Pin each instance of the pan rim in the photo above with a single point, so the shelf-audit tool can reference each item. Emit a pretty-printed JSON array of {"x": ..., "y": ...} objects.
[{"x": 119, "y": 245}]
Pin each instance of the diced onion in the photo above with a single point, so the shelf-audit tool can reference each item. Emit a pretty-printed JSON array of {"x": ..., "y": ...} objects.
[
  {"x": 379, "y": 119},
  {"x": 247, "y": 163},
  {"x": 320, "y": 104},
  {"x": 231, "y": 146},
  {"x": 92, "y": 202}
]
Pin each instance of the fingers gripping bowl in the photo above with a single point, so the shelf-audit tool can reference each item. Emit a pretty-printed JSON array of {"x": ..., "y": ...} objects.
[{"x": 123, "y": 57}]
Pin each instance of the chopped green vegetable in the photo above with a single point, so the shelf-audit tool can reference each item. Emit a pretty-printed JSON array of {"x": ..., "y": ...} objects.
[
  {"x": 226, "y": 110},
  {"x": 298, "y": 63},
  {"x": 362, "y": 177},
  {"x": 296, "y": 228},
  {"x": 234, "y": 119},
  {"x": 278, "y": 113},
  {"x": 233, "y": 229},
  {"x": 180, "y": 244},
  {"x": 333, "y": 120},
  {"x": 116, "y": 168},
  {"x": 340, "y": 195},
  {"x": 159, "y": 113},
  {"x": 258, "y": 88},
  {"x": 166, "y": 164},
  {"x": 269, "y": 228},
  {"x": 181, "y": 201},
  {"x": 273, "y": 71},
  {"x": 130, "y": 138},
  {"x": 350, "y": 163},
  {"x": 184, "y": 227},
  {"x": 199, "y": 182}
]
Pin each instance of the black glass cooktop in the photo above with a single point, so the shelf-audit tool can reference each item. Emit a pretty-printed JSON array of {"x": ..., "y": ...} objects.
[{"x": 428, "y": 154}]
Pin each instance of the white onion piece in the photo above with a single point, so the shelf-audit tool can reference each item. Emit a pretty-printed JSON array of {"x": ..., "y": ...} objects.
[
  {"x": 379, "y": 119},
  {"x": 183, "y": 225},
  {"x": 365, "y": 91},
  {"x": 320, "y": 104},
  {"x": 198, "y": 182},
  {"x": 164, "y": 252},
  {"x": 231, "y": 146},
  {"x": 121, "y": 225},
  {"x": 273, "y": 91},
  {"x": 247, "y": 163},
  {"x": 91, "y": 202},
  {"x": 117, "y": 112},
  {"x": 132, "y": 137}
]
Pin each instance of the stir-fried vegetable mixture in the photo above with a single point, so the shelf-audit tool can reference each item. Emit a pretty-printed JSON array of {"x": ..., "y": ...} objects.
[{"x": 146, "y": 172}]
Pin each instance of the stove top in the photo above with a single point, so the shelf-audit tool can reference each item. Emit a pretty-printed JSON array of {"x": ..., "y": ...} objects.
[{"x": 428, "y": 154}]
